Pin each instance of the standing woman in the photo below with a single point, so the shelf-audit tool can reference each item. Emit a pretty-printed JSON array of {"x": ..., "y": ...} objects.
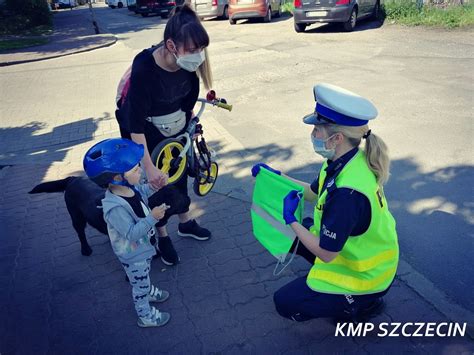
[
  {"x": 157, "y": 102},
  {"x": 352, "y": 243}
]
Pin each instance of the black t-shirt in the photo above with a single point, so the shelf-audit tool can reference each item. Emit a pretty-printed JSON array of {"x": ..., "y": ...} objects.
[
  {"x": 153, "y": 92},
  {"x": 135, "y": 202},
  {"x": 346, "y": 212}
]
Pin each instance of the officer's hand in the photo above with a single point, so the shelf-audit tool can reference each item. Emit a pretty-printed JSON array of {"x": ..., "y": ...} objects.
[
  {"x": 290, "y": 204},
  {"x": 256, "y": 169}
]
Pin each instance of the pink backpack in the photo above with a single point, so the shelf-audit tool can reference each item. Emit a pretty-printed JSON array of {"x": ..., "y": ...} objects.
[{"x": 123, "y": 86}]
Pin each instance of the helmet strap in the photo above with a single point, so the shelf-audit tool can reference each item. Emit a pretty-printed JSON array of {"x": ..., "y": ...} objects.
[{"x": 123, "y": 182}]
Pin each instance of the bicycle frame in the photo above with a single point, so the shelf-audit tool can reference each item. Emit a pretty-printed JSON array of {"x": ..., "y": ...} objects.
[{"x": 191, "y": 129}]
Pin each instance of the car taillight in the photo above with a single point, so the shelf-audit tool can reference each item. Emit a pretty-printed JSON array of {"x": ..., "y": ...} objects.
[
  {"x": 214, "y": 2},
  {"x": 343, "y": 2},
  {"x": 297, "y": 3}
]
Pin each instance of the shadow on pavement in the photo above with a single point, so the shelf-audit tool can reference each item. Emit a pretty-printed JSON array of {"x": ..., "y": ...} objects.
[
  {"x": 60, "y": 300},
  {"x": 363, "y": 25}
]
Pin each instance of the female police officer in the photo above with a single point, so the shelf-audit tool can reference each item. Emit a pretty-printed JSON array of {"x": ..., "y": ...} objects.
[{"x": 352, "y": 243}]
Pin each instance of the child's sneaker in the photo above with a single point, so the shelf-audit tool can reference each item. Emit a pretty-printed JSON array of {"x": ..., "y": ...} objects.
[
  {"x": 167, "y": 251},
  {"x": 157, "y": 295},
  {"x": 193, "y": 230},
  {"x": 157, "y": 319}
]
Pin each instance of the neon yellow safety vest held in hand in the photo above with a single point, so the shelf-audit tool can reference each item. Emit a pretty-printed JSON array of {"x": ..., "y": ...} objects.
[
  {"x": 269, "y": 227},
  {"x": 368, "y": 262}
]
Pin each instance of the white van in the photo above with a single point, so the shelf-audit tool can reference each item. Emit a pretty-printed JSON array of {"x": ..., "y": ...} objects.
[{"x": 115, "y": 3}]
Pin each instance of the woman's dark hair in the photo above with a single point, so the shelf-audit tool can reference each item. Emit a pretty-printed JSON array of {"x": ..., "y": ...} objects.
[{"x": 185, "y": 29}]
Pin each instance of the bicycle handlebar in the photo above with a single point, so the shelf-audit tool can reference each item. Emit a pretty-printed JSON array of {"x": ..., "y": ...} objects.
[
  {"x": 216, "y": 102},
  {"x": 224, "y": 106}
]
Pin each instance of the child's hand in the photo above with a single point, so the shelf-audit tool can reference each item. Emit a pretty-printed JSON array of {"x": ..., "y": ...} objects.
[{"x": 159, "y": 211}]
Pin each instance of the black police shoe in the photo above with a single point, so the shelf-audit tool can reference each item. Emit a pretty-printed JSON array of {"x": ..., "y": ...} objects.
[
  {"x": 362, "y": 314},
  {"x": 193, "y": 230},
  {"x": 371, "y": 310},
  {"x": 166, "y": 250}
]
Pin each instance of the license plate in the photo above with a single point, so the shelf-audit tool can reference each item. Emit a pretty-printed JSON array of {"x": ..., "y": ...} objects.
[
  {"x": 245, "y": 1},
  {"x": 143, "y": 7},
  {"x": 316, "y": 13}
]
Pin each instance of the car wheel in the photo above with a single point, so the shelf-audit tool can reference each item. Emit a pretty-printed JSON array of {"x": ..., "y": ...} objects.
[
  {"x": 300, "y": 27},
  {"x": 112, "y": 6},
  {"x": 165, "y": 16},
  {"x": 351, "y": 23},
  {"x": 278, "y": 14},
  {"x": 268, "y": 16},
  {"x": 145, "y": 14},
  {"x": 120, "y": 5},
  {"x": 232, "y": 21},
  {"x": 376, "y": 12},
  {"x": 225, "y": 13}
]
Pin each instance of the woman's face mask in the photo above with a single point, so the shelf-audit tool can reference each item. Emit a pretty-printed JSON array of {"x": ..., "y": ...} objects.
[
  {"x": 319, "y": 146},
  {"x": 190, "y": 62}
]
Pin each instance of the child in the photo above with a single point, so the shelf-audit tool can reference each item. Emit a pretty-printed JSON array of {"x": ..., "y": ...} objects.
[{"x": 113, "y": 163}]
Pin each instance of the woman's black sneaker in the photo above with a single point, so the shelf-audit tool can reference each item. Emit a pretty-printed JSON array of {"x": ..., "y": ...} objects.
[
  {"x": 193, "y": 230},
  {"x": 166, "y": 250}
]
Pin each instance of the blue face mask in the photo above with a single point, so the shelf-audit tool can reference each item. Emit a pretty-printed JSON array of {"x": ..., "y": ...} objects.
[{"x": 319, "y": 146}]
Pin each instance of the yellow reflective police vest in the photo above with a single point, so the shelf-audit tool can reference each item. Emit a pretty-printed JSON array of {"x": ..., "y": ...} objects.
[{"x": 368, "y": 262}]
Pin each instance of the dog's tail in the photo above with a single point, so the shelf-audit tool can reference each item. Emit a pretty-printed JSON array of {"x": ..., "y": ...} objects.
[{"x": 52, "y": 186}]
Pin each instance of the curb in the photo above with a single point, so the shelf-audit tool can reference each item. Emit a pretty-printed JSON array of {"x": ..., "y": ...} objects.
[{"x": 112, "y": 42}]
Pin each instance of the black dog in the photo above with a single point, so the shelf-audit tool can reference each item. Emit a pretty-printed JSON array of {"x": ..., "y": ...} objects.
[{"x": 84, "y": 203}]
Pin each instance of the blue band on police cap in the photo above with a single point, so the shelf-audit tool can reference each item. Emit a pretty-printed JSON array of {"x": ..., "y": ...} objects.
[{"x": 337, "y": 117}]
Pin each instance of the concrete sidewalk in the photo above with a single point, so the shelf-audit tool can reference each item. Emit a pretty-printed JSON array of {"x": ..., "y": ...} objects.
[
  {"x": 74, "y": 32},
  {"x": 56, "y": 301}
]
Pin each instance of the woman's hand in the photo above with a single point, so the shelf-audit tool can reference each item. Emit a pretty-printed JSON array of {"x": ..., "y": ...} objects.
[{"x": 156, "y": 178}]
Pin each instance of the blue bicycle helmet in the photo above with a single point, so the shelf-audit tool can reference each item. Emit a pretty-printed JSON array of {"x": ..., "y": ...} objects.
[{"x": 111, "y": 157}]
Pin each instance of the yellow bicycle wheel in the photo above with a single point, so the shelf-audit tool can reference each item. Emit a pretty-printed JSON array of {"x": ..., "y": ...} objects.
[
  {"x": 165, "y": 156},
  {"x": 204, "y": 183}
]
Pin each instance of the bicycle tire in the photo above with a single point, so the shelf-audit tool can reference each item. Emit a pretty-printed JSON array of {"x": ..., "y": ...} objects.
[
  {"x": 201, "y": 186},
  {"x": 164, "y": 154}
]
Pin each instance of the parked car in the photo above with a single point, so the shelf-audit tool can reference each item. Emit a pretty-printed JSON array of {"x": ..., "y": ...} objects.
[
  {"x": 346, "y": 12},
  {"x": 211, "y": 8},
  {"x": 132, "y": 5},
  {"x": 245, "y": 9},
  {"x": 115, "y": 3},
  {"x": 163, "y": 8},
  {"x": 63, "y": 4}
]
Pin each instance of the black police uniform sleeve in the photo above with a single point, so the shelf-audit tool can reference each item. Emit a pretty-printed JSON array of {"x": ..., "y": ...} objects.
[
  {"x": 190, "y": 100},
  {"x": 314, "y": 185},
  {"x": 138, "y": 101},
  {"x": 346, "y": 213}
]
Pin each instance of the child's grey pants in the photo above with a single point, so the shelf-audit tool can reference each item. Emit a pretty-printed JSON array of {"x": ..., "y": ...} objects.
[{"x": 138, "y": 274}]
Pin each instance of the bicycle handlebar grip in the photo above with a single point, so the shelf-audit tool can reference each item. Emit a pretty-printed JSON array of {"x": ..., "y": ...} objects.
[{"x": 224, "y": 106}]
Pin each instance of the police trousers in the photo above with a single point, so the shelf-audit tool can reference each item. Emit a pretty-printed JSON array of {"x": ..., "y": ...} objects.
[{"x": 298, "y": 302}]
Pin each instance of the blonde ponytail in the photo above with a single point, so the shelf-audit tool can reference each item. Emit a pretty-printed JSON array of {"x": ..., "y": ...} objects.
[
  {"x": 204, "y": 71},
  {"x": 376, "y": 150}
]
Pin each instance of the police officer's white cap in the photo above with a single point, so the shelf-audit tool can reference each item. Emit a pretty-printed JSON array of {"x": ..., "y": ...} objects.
[{"x": 339, "y": 106}]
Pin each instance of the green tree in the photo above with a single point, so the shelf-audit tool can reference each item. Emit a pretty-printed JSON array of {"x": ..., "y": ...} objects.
[{"x": 34, "y": 12}]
